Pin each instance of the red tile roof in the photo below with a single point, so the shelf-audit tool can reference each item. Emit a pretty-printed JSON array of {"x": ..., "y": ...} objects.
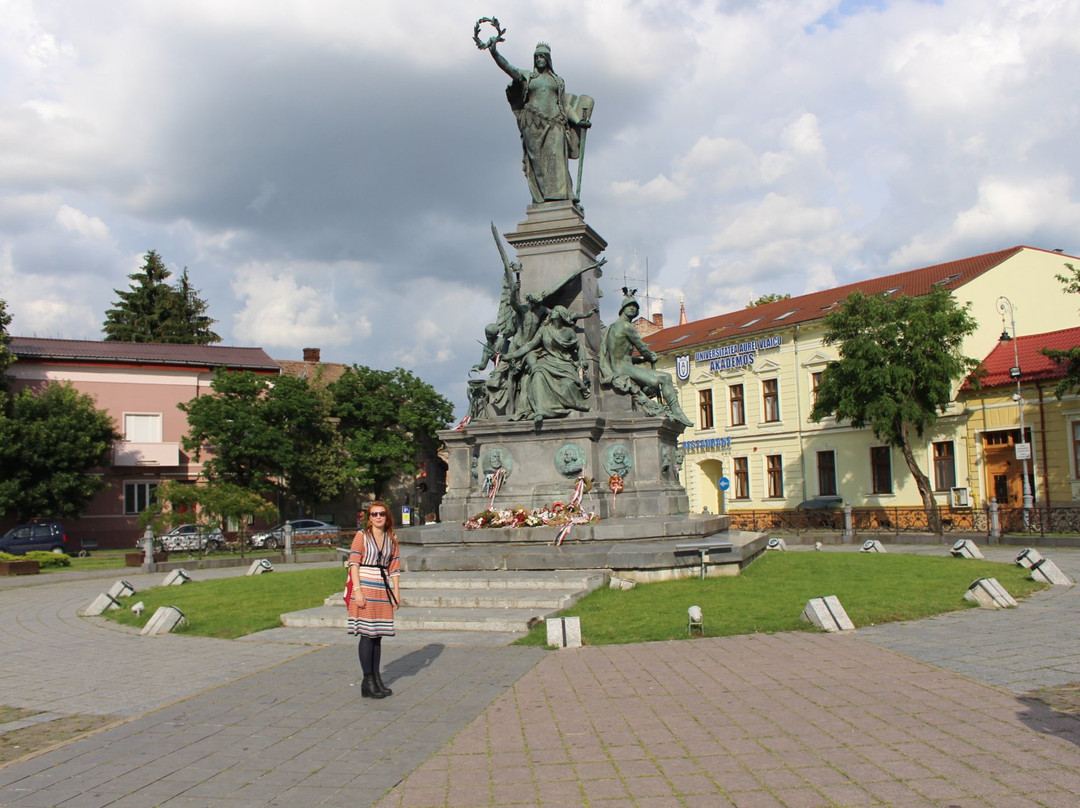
[
  {"x": 1033, "y": 365},
  {"x": 815, "y": 305},
  {"x": 141, "y": 353},
  {"x": 321, "y": 373}
]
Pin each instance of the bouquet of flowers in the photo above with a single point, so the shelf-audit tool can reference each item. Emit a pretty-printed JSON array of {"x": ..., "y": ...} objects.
[{"x": 555, "y": 514}]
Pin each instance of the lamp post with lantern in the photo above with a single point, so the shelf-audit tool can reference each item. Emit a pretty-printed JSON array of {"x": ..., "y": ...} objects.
[{"x": 1023, "y": 448}]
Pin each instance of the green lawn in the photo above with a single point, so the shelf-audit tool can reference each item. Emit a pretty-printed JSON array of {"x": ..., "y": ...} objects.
[
  {"x": 232, "y": 607},
  {"x": 771, "y": 593},
  {"x": 767, "y": 597}
]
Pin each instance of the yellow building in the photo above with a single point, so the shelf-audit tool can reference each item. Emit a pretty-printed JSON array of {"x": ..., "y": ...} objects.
[
  {"x": 1048, "y": 446},
  {"x": 749, "y": 377}
]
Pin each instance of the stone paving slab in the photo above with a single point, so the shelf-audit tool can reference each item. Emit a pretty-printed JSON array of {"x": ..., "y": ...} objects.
[
  {"x": 796, "y": 719},
  {"x": 296, "y": 734},
  {"x": 785, "y": 720}
]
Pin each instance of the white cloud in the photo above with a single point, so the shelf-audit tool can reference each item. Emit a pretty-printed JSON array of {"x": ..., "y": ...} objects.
[
  {"x": 328, "y": 170},
  {"x": 78, "y": 222},
  {"x": 1005, "y": 211},
  {"x": 279, "y": 311}
]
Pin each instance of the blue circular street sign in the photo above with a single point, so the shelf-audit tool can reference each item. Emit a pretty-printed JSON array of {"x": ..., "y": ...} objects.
[{"x": 723, "y": 483}]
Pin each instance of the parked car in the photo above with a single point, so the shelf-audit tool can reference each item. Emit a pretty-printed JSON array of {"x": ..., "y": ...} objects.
[
  {"x": 304, "y": 531},
  {"x": 44, "y": 535},
  {"x": 192, "y": 537}
]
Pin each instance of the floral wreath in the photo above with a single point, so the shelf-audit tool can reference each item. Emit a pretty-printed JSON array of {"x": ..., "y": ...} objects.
[{"x": 491, "y": 40}]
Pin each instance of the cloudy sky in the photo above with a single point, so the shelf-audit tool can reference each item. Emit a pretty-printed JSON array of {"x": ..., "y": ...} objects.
[{"x": 327, "y": 169}]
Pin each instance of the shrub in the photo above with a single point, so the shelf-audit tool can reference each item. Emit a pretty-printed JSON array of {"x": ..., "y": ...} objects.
[{"x": 48, "y": 560}]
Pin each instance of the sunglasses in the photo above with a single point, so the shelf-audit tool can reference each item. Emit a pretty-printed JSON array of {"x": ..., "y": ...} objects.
[{"x": 373, "y": 514}]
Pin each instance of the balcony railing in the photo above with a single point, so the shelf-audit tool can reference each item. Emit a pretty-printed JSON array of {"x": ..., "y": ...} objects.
[{"x": 130, "y": 453}]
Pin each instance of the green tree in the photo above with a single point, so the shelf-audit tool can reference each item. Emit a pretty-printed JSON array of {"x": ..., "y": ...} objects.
[
  {"x": 211, "y": 506},
  {"x": 388, "y": 418},
  {"x": 153, "y": 311},
  {"x": 899, "y": 359},
  {"x": 1069, "y": 357},
  {"x": 49, "y": 441},
  {"x": 772, "y": 297},
  {"x": 7, "y": 358},
  {"x": 268, "y": 434}
]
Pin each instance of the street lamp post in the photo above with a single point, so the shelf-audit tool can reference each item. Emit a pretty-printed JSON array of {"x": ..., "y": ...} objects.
[{"x": 1023, "y": 449}]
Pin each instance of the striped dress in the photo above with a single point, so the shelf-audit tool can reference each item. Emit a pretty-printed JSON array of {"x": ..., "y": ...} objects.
[{"x": 376, "y": 617}]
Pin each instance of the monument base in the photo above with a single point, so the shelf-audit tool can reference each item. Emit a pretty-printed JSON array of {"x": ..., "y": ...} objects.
[{"x": 537, "y": 465}]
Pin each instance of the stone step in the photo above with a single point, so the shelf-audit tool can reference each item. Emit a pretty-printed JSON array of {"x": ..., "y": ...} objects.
[
  {"x": 411, "y": 618},
  {"x": 501, "y": 598},
  {"x": 501, "y": 579},
  {"x": 488, "y": 600}
]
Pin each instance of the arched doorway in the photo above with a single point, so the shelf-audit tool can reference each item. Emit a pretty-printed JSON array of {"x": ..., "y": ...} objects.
[{"x": 710, "y": 471}]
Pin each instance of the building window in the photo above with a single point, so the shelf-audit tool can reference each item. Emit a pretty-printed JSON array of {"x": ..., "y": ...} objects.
[
  {"x": 1076, "y": 447},
  {"x": 881, "y": 469},
  {"x": 815, "y": 384},
  {"x": 137, "y": 496},
  {"x": 826, "y": 473},
  {"x": 142, "y": 428},
  {"x": 742, "y": 478},
  {"x": 738, "y": 405},
  {"x": 705, "y": 413},
  {"x": 771, "y": 394},
  {"x": 944, "y": 465},
  {"x": 775, "y": 467}
]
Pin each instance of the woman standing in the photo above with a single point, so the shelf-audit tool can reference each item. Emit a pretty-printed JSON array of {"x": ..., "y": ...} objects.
[{"x": 373, "y": 593}]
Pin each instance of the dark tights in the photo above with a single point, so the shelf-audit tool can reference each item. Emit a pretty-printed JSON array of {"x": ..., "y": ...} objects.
[{"x": 370, "y": 650}]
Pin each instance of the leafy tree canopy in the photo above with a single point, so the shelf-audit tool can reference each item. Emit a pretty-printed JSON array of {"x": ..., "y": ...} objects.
[
  {"x": 1070, "y": 357},
  {"x": 151, "y": 310},
  {"x": 49, "y": 441},
  {"x": 899, "y": 360},
  {"x": 7, "y": 358},
  {"x": 387, "y": 418},
  {"x": 210, "y": 506},
  {"x": 772, "y": 297},
  {"x": 268, "y": 433}
]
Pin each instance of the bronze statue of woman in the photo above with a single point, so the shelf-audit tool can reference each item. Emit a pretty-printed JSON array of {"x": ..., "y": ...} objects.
[{"x": 551, "y": 123}]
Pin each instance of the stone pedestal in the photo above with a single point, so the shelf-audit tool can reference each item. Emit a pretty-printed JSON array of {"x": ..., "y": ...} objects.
[
  {"x": 538, "y": 463},
  {"x": 535, "y": 462},
  {"x": 552, "y": 242}
]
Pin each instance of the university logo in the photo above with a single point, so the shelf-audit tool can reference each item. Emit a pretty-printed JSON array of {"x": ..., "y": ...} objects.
[{"x": 682, "y": 367}]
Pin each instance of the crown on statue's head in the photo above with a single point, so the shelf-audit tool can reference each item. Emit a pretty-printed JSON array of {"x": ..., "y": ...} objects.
[{"x": 543, "y": 47}]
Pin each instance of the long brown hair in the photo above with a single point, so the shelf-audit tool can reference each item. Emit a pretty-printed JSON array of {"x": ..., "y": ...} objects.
[{"x": 388, "y": 525}]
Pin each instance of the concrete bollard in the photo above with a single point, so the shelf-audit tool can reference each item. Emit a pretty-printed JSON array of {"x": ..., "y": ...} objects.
[
  {"x": 260, "y": 566},
  {"x": 989, "y": 594},
  {"x": 564, "y": 632},
  {"x": 176, "y": 578},
  {"x": 100, "y": 604},
  {"x": 1042, "y": 569},
  {"x": 966, "y": 548},
  {"x": 872, "y": 546},
  {"x": 827, "y": 613},
  {"x": 121, "y": 589},
  {"x": 164, "y": 620}
]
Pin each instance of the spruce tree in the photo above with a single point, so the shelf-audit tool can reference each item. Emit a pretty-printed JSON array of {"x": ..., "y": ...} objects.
[{"x": 153, "y": 311}]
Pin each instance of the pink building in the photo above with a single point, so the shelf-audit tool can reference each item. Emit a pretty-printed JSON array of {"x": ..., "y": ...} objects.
[{"x": 140, "y": 385}]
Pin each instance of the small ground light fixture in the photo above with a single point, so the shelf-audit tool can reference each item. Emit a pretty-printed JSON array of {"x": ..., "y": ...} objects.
[
  {"x": 695, "y": 620},
  {"x": 138, "y": 608}
]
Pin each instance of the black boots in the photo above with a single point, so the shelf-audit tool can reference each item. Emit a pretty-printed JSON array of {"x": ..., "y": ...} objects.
[
  {"x": 370, "y": 689},
  {"x": 373, "y": 688}
]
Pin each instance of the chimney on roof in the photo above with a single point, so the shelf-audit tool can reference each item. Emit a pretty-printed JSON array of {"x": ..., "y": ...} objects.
[
  {"x": 658, "y": 320},
  {"x": 312, "y": 355}
]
